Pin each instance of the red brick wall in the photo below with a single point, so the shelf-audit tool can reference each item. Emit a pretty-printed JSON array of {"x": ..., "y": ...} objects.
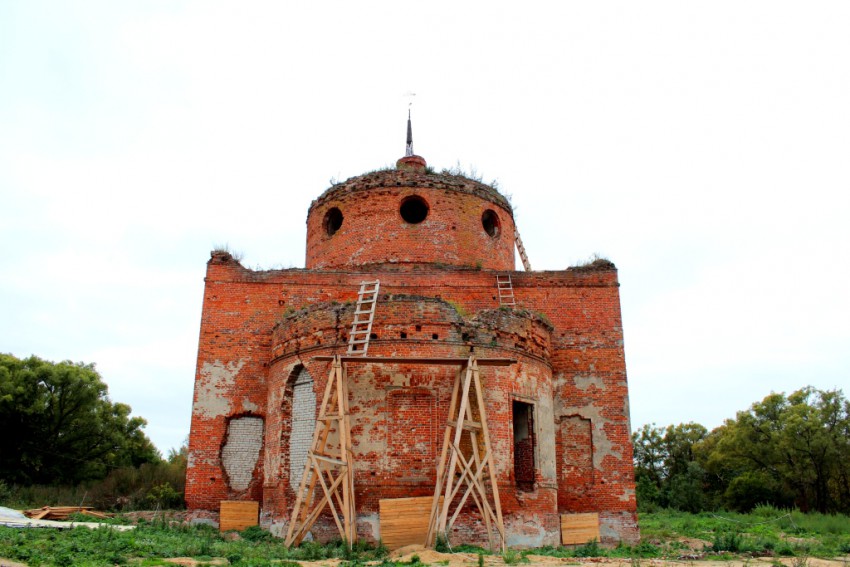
[
  {"x": 412, "y": 434},
  {"x": 374, "y": 232},
  {"x": 258, "y": 326}
]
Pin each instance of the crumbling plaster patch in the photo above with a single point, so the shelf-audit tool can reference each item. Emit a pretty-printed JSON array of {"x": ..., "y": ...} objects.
[
  {"x": 545, "y": 421},
  {"x": 369, "y": 525},
  {"x": 371, "y": 437},
  {"x": 528, "y": 532},
  {"x": 242, "y": 450},
  {"x": 602, "y": 445},
  {"x": 585, "y": 381},
  {"x": 214, "y": 383}
]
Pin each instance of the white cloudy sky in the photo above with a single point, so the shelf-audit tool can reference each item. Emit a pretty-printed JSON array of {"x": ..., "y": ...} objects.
[{"x": 701, "y": 146}]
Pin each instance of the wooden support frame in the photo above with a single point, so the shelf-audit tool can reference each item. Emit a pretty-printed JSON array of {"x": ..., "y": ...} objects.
[
  {"x": 467, "y": 470},
  {"x": 334, "y": 472},
  {"x": 329, "y": 466}
]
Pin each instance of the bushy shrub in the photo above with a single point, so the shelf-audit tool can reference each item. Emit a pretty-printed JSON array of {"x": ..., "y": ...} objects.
[
  {"x": 255, "y": 534},
  {"x": 590, "y": 549},
  {"x": 727, "y": 541}
]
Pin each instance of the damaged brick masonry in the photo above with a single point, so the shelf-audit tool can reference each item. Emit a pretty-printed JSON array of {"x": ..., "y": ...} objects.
[{"x": 558, "y": 417}]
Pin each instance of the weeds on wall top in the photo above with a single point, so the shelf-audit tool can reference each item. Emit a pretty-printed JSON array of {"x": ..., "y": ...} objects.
[
  {"x": 458, "y": 171},
  {"x": 594, "y": 263},
  {"x": 225, "y": 249}
]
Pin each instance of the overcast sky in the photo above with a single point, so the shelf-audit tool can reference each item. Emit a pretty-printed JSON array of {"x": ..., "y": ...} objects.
[{"x": 703, "y": 147}]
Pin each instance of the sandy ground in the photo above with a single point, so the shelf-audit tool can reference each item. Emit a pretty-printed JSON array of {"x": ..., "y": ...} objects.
[
  {"x": 470, "y": 559},
  {"x": 431, "y": 557}
]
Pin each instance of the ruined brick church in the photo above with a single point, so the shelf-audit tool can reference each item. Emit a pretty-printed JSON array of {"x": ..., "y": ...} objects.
[{"x": 552, "y": 459}]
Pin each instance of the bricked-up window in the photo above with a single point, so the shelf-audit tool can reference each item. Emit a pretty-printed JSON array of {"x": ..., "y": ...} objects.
[
  {"x": 491, "y": 224},
  {"x": 413, "y": 209},
  {"x": 524, "y": 445},
  {"x": 303, "y": 424},
  {"x": 333, "y": 221},
  {"x": 575, "y": 452},
  {"x": 412, "y": 433}
]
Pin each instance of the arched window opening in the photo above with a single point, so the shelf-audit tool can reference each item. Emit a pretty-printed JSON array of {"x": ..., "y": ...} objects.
[{"x": 303, "y": 425}]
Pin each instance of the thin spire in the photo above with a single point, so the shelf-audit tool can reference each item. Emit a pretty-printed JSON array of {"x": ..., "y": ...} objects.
[{"x": 409, "y": 149}]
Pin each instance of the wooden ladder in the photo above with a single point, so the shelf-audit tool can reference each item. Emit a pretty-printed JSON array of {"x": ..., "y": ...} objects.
[
  {"x": 364, "y": 315},
  {"x": 466, "y": 469},
  {"x": 523, "y": 256},
  {"x": 329, "y": 466},
  {"x": 506, "y": 290}
]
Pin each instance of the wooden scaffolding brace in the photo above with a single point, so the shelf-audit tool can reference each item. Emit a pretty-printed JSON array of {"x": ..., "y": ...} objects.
[
  {"x": 331, "y": 467},
  {"x": 468, "y": 469},
  {"x": 328, "y": 466}
]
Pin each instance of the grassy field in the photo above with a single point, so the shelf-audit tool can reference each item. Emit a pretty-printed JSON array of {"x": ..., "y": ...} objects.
[
  {"x": 764, "y": 532},
  {"x": 665, "y": 535}
]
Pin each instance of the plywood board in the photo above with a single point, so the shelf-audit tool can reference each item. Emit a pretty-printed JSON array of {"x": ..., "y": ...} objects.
[
  {"x": 238, "y": 514},
  {"x": 578, "y": 529},
  {"x": 404, "y": 521}
]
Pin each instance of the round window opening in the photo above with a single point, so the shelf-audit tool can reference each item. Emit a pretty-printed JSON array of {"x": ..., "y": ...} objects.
[
  {"x": 414, "y": 209},
  {"x": 333, "y": 220},
  {"x": 491, "y": 224}
]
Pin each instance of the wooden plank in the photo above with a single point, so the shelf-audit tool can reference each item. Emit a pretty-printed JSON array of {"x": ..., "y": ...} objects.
[
  {"x": 38, "y": 513},
  {"x": 405, "y": 360},
  {"x": 404, "y": 521},
  {"x": 238, "y": 514},
  {"x": 93, "y": 514},
  {"x": 56, "y": 512},
  {"x": 578, "y": 529}
]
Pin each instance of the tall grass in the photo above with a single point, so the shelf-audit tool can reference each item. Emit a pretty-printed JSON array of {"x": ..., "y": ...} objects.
[
  {"x": 767, "y": 530},
  {"x": 143, "y": 488},
  {"x": 152, "y": 541}
]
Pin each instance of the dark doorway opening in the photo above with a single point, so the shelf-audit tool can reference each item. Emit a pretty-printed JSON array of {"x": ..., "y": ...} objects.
[{"x": 524, "y": 445}]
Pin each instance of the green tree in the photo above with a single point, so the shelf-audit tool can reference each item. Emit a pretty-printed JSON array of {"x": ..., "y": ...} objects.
[
  {"x": 789, "y": 450},
  {"x": 666, "y": 471},
  {"x": 60, "y": 425}
]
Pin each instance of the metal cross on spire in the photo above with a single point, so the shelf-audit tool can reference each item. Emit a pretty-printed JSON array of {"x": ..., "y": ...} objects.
[{"x": 409, "y": 149}]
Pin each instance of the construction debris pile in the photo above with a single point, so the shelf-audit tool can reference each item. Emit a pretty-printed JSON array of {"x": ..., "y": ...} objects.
[{"x": 61, "y": 513}]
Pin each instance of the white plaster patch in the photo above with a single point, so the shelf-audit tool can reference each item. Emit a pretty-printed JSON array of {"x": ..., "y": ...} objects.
[
  {"x": 249, "y": 406},
  {"x": 278, "y": 529},
  {"x": 546, "y": 437},
  {"x": 583, "y": 382},
  {"x": 369, "y": 523},
  {"x": 196, "y": 459},
  {"x": 240, "y": 454},
  {"x": 525, "y": 533},
  {"x": 365, "y": 398},
  {"x": 215, "y": 381}
]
